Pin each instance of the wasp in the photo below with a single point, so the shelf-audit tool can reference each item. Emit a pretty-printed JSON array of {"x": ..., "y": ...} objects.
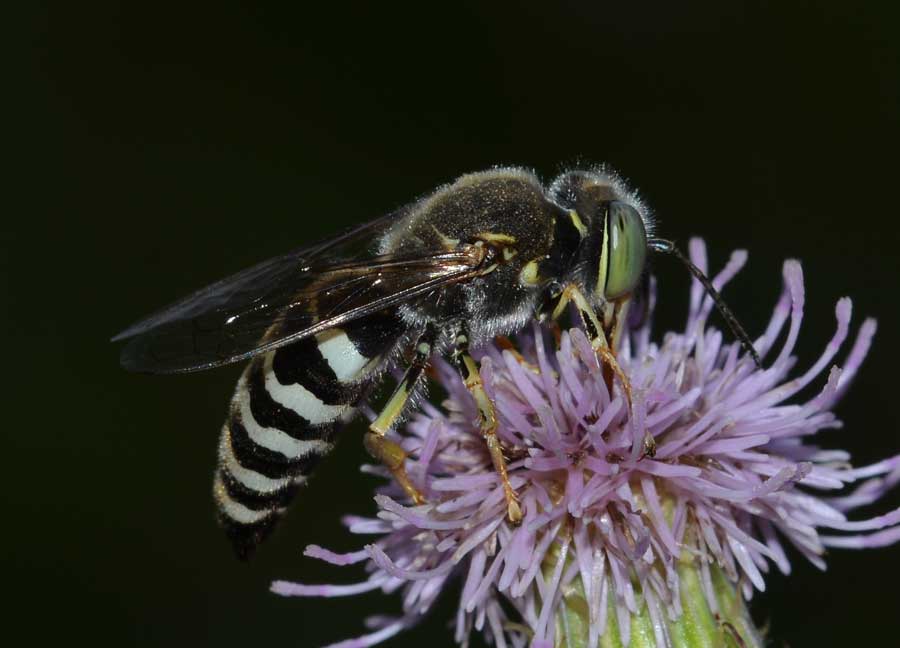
[{"x": 321, "y": 326}]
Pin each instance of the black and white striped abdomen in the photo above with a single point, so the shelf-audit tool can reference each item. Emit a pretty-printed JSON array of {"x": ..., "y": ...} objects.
[{"x": 284, "y": 414}]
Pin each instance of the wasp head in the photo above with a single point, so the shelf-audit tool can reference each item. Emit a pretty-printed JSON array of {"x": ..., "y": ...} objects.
[{"x": 613, "y": 224}]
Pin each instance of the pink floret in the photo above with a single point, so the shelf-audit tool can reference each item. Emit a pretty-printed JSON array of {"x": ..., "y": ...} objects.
[{"x": 734, "y": 476}]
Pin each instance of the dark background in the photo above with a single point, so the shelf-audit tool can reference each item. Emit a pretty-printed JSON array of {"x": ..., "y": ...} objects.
[{"x": 156, "y": 148}]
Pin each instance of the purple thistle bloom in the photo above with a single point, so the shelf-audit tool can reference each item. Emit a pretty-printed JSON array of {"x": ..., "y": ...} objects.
[{"x": 710, "y": 467}]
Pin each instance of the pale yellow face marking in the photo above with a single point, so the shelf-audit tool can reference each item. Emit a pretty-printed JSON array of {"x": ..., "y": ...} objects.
[
  {"x": 604, "y": 260},
  {"x": 509, "y": 253},
  {"x": 578, "y": 223}
]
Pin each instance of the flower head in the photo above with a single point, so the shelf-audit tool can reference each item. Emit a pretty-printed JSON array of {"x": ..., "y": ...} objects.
[{"x": 702, "y": 479}]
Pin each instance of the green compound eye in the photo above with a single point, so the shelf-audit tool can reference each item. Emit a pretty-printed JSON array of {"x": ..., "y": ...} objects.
[{"x": 625, "y": 253}]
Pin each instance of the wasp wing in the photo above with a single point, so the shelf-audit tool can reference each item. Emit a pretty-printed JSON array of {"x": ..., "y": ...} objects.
[
  {"x": 250, "y": 285},
  {"x": 285, "y": 299}
]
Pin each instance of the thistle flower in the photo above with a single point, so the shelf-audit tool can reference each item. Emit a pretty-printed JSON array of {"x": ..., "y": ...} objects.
[{"x": 643, "y": 524}]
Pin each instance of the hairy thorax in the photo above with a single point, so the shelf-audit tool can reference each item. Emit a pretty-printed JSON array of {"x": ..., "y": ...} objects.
[{"x": 505, "y": 213}]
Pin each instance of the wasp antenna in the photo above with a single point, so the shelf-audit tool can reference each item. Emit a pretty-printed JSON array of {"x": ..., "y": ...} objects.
[{"x": 668, "y": 247}]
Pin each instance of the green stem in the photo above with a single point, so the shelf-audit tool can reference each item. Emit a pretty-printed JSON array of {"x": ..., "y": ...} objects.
[{"x": 697, "y": 627}]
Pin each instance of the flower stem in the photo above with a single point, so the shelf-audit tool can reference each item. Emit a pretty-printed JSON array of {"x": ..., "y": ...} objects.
[{"x": 697, "y": 627}]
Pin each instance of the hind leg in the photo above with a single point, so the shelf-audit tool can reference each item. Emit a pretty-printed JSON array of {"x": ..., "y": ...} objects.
[{"x": 389, "y": 452}]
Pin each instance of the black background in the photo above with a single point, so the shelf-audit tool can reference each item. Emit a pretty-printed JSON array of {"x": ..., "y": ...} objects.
[{"x": 155, "y": 148}]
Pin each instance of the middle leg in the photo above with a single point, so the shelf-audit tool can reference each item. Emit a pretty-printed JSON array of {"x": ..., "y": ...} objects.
[
  {"x": 597, "y": 334},
  {"x": 468, "y": 369}
]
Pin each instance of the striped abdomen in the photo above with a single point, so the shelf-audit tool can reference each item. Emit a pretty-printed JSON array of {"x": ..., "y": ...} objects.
[{"x": 286, "y": 409}]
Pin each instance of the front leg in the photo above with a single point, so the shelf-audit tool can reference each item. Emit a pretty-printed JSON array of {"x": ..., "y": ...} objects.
[
  {"x": 468, "y": 370},
  {"x": 597, "y": 333}
]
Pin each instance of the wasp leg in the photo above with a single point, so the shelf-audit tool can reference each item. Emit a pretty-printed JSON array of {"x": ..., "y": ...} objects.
[
  {"x": 389, "y": 452},
  {"x": 468, "y": 369},
  {"x": 597, "y": 335},
  {"x": 506, "y": 344}
]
